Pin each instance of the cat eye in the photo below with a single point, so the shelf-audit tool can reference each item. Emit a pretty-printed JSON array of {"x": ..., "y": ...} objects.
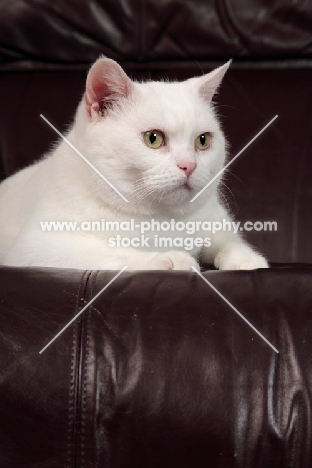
[
  {"x": 154, "y": 139},
  {"x": 202, "y": 142}
]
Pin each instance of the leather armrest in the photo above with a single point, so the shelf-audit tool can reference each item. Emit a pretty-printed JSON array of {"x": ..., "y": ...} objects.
[{"x": 158, "y": 372}]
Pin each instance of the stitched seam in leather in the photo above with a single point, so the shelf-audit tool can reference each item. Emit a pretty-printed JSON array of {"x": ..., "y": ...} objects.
[
  {"x": 80, "y": 371},
  {"x": 73, "y": 386},
  {"x": 84, "y": 396},
  {"x": 74, "y": 378},
  {"x": 71, "y": 404},
  {"x": 71, "y": 389},
  {"x": 85, "y": 379}
]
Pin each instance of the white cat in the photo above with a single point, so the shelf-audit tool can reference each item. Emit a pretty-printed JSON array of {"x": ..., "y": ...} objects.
[{"x": 159, "y": 144}]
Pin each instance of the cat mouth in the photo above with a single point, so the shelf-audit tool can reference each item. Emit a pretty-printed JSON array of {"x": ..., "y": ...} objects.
[
  {"x": 187, "y": 185},
  {"x": 182, "y": 186}
]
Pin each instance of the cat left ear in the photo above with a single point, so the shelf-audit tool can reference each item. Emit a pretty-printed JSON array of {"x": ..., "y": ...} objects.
[
  {"x": 106, "y": 84},
  {"x": 208, "y": 84}
]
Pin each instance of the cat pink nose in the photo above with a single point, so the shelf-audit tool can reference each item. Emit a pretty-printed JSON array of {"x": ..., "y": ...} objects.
[{"x": 188, "y": 167}]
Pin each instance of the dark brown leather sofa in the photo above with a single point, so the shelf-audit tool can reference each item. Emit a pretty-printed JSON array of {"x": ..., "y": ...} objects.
[{"x": 159, "y": 371}]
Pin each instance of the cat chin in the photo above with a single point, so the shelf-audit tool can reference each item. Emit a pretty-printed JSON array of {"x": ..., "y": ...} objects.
[
  {"x": 174, "y": 198},
  {"x": 183, "y": 194},
  {"x": 174, "y": 195}
]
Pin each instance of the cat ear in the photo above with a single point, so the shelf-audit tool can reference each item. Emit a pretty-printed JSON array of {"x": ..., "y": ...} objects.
[
  {"x": 208, "y": 84},
  {"x": 106, "y": 83}
]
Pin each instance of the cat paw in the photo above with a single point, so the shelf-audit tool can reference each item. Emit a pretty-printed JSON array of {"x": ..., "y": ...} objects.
[
  {"x": 174, "y": 260},
  {"x": 240, "y": 260}
]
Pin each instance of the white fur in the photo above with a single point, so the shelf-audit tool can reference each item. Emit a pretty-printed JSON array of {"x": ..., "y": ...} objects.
[{"x": 62, "y": 187}]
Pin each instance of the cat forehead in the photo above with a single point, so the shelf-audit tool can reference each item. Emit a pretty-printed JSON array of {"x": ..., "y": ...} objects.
[
  {"x": 173, "y": 91},
  {"x": 175, "y": 105}
]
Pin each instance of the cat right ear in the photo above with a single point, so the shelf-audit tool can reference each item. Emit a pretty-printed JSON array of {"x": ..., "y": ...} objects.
[
  {"x": 106, "y": 83},
  {"x": 208, "y": 84}
]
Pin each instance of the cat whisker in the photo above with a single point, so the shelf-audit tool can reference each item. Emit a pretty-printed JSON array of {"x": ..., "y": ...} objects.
[
  {"x": 139, "y": 195},
  {"x": 224, "y": 197}
]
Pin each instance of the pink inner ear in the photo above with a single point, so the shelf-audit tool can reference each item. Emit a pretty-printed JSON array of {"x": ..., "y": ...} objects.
[
  {"x": 98, "y": 93},
  {"x": 99, "y": 88},
  {"x": 106, "y": 83}
]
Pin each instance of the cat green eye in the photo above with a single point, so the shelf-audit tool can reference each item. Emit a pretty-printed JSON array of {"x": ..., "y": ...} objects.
[
  {"x": 154, "y": 139},
  {"x": 202, "y": 142}
]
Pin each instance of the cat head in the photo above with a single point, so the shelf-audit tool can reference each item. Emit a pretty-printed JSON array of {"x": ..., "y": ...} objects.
[{"x": 159, "y": 143}]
